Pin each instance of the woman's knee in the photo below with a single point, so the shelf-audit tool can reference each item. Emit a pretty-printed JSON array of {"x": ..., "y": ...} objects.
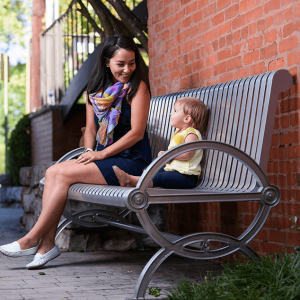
[{"x": 51, "y": 172}]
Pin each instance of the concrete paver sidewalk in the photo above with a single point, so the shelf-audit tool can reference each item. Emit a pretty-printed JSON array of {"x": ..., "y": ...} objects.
[{"x": 86, "y": 275}]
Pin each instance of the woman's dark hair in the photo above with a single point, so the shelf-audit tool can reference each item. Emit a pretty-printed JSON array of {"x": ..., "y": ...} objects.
[{"x": 101, "y": 74}]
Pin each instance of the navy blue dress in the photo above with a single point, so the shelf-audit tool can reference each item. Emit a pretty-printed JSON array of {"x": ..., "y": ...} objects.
[{"x": 133, "y": 160}]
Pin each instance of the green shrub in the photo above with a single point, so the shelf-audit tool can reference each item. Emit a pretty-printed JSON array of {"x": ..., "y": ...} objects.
[
  {"x": 268, "y": 278},
  {"x": 19, "y": 148}
]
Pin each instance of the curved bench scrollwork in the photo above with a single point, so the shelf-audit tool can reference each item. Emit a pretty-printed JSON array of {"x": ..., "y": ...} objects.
[{"x": 270, "y": 195}]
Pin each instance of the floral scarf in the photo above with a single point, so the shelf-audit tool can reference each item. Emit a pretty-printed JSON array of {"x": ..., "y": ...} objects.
[{"x": 107, "y": 107}]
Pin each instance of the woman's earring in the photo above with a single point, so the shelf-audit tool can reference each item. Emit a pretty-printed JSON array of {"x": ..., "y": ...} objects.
[{"x": 107, "y": 66}]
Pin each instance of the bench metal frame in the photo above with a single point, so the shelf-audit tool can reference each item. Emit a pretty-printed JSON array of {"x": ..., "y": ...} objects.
[{"x": 237, "y": 145}]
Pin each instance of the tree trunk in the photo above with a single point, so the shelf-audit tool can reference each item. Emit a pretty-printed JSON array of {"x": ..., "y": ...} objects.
[
  {"x": 99, "y": 8},
  {"x": 86, "y": 14},
  {"x": 131, "y": 21}
]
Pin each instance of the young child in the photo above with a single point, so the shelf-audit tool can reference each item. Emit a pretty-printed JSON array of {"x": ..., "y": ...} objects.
[{"x": 190, "y": 116}]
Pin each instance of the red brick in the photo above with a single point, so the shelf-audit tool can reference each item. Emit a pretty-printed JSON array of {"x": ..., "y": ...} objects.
[
  {"x": 224, "y": 54},
  {"x": 162, "y": 90},
  {"x": 228, "y": 76},
  {"x": 270, "y": 36},
  {"x": 229, "y": 39},
  {"x": 241, "y": 73},
  {"x": 211, "y": 35},
  {"x": 288, "y": 166},
  {"x": 254, "y": 43},
  {"x": 224, "y": 28},
  {"x": 223, "y": 3},
  {"x": 246, "y": 5},
  {"x": 269, "y": 21},
  {"x": 293, "y": 238},
  {"x": 293, "y": 58},
  {"x": 169, "y": 21},
  {"x": 294, "y": 119},
  {"x": 258, "y": 68},
  {"x": 260, "y": 25},
  {"x": 288, "y": 138},
  {"x": 239, "y": 21},
  {"x": 292, "y": 209},
  {"x": 176, "y": 74},
  {"x": 251, "y": 57},
  {"x": 232, "y": 11},
  {"x": 217, "y": 19},
  {"x": 186, "y": 22},
  {"x": 278, "y": 153},
  {"x": 289, "y": 28},
  {"x": 293, "y": 151},
  {"x": 288, "y": 44},
  {"x": 206, "y": 74},
  {"x": 234, "y": 63},
  {"x": 220, "y": 68},
  {"x": 288, "y": 14},
  {"x": 211, "y": 60},
  {"x": 290, "y": 105},
  {"x": 252, "y": 28},
  {"x": 271, "y": 5},
  {"x": 254, "y": 14},
  {"x": 278, "y": 236},
  {"x": 197, "y": 65},
  {"x": 197, "y": 16},
  {"x": 210, "y": 10},
  {"x": 272, "y": 167},
  {"x": 190, "y": 8},
  {"x": 268, "y": 51},
  {"x": 275, "y": 65},
  {"x": 262, "y": 235},
  {"x": 222, "y": 42}
]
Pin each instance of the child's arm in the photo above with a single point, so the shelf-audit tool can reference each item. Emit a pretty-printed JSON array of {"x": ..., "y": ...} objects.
[{"x": 191, "y": 137}]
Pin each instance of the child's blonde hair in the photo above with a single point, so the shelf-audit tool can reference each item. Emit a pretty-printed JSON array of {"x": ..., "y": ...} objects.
[{"x": 197, "y": 110}]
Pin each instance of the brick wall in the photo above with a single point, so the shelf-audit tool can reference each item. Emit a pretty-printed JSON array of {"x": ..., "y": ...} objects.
[
  {"x": 198, "y": 43},
  {"x": 50, "y": 137}
]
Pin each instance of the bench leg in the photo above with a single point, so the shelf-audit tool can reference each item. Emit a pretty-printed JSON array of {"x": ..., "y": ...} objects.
[
  {"x": 98, "y": 221},
  {"x": 157, "y": 259}
]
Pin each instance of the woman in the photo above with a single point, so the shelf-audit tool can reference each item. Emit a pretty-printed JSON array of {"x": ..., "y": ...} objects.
[{"x": 116, "y": 117}]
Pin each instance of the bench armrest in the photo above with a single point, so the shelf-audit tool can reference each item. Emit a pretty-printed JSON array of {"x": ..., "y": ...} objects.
[{"x": 70, "y": 155}]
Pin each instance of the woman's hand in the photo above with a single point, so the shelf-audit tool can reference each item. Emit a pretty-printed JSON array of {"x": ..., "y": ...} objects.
[{"x": 90, "y": 156}]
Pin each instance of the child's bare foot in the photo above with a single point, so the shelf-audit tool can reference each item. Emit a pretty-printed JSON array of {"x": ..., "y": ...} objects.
[{"x": 123, "y": 177}]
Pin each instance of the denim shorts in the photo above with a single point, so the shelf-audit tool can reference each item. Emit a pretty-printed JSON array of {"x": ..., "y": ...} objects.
[{"x": 174, "y": 180}]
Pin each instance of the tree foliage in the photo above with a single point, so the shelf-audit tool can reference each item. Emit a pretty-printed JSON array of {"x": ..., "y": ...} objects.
[{"x": 15, "y": 15}]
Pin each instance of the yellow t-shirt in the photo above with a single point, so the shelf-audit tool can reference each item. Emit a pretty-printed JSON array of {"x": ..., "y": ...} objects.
[{"x": 192, "y": 166}]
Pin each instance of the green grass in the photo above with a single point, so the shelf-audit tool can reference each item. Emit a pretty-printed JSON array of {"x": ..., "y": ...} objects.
[
  {"x": 265, "y": 279},
  {"x": 2, "y": 158}
]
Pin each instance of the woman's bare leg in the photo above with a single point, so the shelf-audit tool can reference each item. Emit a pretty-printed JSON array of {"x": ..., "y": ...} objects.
[
  {"x": 126, "y": 179},
  {"x": 58, "y": 180}
]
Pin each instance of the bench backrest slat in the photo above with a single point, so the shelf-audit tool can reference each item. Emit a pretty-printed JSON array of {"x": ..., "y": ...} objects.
[{"x": 242, "y": 114}]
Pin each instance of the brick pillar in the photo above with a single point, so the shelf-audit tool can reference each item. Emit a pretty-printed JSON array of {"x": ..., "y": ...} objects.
[{"x": 38, "y": 12}]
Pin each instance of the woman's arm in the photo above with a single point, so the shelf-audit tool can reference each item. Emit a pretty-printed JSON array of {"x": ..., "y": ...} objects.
[
  {"x": 91, "y": 128},
  {"x": 140, "y": 105}
]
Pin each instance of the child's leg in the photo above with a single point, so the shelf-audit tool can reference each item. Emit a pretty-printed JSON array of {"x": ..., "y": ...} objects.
[
  {"x": 174, "y": 180},
  {"x": 127, "y": 179}
]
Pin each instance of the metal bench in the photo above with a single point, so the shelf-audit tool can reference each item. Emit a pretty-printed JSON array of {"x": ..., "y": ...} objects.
[{"x": 236, "y": 145}]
